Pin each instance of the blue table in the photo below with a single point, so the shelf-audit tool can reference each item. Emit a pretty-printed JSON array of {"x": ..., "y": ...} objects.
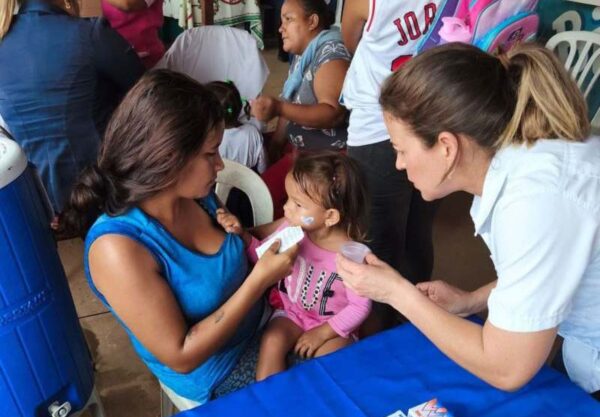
[{"x": 391, "y": 371}]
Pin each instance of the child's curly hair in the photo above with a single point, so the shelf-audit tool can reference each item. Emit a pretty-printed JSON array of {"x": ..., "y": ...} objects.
[{"x": 334, "y": 180}]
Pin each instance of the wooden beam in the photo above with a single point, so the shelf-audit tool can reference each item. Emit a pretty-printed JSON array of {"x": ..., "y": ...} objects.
[{"x": 208, "y": 14}]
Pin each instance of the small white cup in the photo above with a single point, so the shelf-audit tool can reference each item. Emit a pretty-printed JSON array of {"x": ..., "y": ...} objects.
[{"x": 355, "y": 251}]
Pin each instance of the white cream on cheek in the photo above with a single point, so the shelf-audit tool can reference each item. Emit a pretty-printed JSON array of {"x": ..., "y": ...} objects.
[{"x": 307, "y": 220}]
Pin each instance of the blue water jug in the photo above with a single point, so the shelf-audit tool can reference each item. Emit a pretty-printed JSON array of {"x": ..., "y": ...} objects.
[{"x": 45, "y": 366}]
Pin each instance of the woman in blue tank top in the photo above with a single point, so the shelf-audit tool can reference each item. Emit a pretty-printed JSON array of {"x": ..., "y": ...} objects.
[{"x": 156, "y": 256}]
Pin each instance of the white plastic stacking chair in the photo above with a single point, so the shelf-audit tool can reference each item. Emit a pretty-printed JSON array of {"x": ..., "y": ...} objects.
[
  {"x": 580, "y": 53},
  {"x": 339, "y": 7},
  {"x": 238, "y": 176},
  {"x": 171, "y": 403}
]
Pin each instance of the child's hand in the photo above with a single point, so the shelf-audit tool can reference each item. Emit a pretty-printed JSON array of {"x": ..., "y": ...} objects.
[
  {"x": 309, "y": 343},
  {"x": 229, "y": 222}
]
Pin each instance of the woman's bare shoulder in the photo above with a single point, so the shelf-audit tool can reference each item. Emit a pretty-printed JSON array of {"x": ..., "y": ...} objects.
[{"x": 113, "y": 252}]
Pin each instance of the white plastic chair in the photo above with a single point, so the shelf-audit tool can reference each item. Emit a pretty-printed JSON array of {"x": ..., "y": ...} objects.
[
  {"x": 219, "y": 53},
  {"x": 339, "y": 7},
  {"x": 171, "y": 403},
  {"x": 238, "y": 176},
  {"x": 580, "y": 52}
]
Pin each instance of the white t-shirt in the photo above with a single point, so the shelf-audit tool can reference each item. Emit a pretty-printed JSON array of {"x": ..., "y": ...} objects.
[
  {"x": 539, "y": 215},
  {"x": 389, "y": 38},
  {"x": 244, "y": 144}
]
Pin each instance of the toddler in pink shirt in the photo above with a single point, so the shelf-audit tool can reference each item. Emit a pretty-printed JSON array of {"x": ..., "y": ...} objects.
[{"x": 315, "y": 313}]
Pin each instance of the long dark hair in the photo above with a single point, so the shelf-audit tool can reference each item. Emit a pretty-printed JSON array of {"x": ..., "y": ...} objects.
[
  {"x": 333, "y": 180},
  {"x": 158, "y": 127}
]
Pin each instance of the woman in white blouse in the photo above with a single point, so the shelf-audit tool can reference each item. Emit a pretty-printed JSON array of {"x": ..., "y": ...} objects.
[{"x": 513, "y": 132}]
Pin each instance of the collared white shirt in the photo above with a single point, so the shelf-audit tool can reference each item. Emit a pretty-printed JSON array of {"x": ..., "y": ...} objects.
[{"x": 539, "y": 215}]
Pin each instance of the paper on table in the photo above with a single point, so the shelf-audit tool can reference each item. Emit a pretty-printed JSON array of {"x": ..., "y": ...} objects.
[
  {"x": 288, "y": 236},
  {"x": 398, "y": 413},
  {"x": 431, "y": 408}
]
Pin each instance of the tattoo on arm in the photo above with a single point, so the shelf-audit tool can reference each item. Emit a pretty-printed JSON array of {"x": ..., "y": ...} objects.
[{"x": 218, "y": 317}]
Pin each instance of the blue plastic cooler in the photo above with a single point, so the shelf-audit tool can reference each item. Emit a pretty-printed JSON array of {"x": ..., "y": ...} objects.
[{"x": 45, "y": 366}]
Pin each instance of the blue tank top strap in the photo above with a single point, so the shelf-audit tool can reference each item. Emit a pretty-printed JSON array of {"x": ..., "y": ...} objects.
[
  {"x": 210, "y": 204},
  {"x": 115, "y": 226}
]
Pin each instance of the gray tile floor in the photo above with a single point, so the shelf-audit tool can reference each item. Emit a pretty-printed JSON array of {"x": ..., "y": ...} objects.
[{"x": 126, "y": 387}]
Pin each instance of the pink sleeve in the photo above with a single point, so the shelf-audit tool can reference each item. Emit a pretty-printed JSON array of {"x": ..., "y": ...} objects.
[
  {"x": 251, "y": 250},
  {"x": 350, "y": 317}
]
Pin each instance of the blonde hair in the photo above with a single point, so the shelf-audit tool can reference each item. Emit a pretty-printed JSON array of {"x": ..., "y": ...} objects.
[
  {"x": 549, "y": 103},
  {"x": 7, "y": 10},
  {"x": 516, "y": 98}
]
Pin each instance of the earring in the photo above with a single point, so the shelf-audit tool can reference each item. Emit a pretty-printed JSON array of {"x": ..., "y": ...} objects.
[{"x": 68, "y": 4}]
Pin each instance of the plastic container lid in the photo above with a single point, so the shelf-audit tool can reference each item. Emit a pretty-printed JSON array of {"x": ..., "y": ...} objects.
[{"x": 12, "y": 161}]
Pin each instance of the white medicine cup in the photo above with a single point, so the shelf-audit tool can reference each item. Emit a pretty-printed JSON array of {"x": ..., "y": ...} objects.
[{"x": 355, "y": 251}]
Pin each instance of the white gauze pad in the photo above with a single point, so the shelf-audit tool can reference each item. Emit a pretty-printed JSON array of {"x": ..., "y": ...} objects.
[{"x": 288, "y": 236}]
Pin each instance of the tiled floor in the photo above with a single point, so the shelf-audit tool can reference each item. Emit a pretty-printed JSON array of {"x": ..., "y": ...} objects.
[{"x": 126, "y": 387}]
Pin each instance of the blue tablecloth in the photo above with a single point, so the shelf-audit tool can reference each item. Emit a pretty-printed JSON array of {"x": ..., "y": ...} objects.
[{"x": 391, "y": 371}]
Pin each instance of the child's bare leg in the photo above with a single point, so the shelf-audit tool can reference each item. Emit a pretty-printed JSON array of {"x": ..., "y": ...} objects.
[
  {"x": 333, "y": 344},
  {"x": 277, "y": 340}
]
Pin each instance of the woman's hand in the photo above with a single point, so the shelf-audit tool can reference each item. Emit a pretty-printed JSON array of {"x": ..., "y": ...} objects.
[
  {"x": 265, "y": 108},
  {"x": 229, "y": 222},
  {"x": 273, "y": 266},
  {"x": 452, "y": 299},
  {"x": 375, "y": 280}
]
